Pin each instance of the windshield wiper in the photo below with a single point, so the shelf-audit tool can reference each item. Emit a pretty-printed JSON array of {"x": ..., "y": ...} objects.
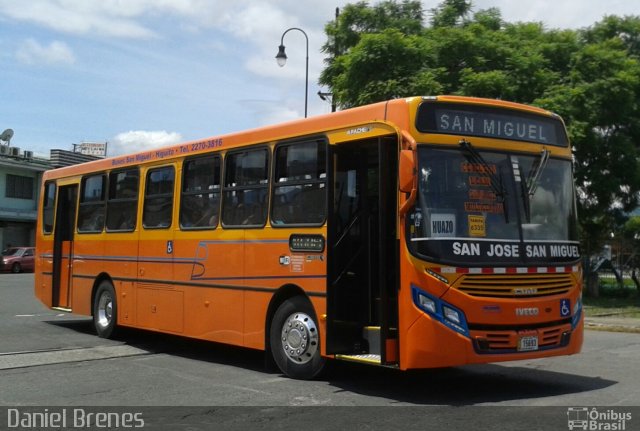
[
  {"x": 529, "y": 187},
  {"x": 494, "y": 181},
  {"x": 536, "y": 171}
]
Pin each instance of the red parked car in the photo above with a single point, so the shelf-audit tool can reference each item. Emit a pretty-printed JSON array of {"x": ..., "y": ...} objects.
[{"x": 17, "y": 259}]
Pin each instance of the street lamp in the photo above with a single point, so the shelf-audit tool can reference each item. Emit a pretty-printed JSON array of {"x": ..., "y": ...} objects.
[{"x": 281, "y": 58}]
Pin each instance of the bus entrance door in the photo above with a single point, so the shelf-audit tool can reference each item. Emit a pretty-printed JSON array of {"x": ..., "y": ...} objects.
[
  {"x": 63, "y": 246},
  {"x": 362, "y": 255}
]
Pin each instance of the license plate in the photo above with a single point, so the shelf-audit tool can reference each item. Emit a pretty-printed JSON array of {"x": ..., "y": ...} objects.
[{"x": 528, "y": 343}]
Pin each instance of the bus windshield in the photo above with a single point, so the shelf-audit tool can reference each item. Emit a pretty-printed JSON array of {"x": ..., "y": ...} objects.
[{"x": 493, "y": 207}]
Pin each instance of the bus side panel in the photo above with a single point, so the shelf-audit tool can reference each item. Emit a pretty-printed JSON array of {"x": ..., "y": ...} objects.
[
  {"x": 256, "y": 306},
  {"x": 209, "y": 271},
  {"x": 320, "y": 306},
  {"x": 269, "y": 264},
  {"x": 44, "y": 269},
  {"x": 87, "y": 264},
  {"x": 417, "y": 336},
  {"x": 121, "y": 264},
  {"x": 261, "y": 264}
]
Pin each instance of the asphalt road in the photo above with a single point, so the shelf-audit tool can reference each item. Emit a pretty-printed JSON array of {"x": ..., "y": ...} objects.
[{"x": 53, "y": 359}]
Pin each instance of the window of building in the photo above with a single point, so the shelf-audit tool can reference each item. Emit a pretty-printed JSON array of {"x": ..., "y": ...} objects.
[
  {"x": 92, "y": 204},
  {"x": 19, "y": 187},
  {"x": 246, "y": 187},
  {"x": 48, "y": 207},
  {"x": 299, "y": 188},
  {"x": 158, "y": 198},
  {"x": 122, "y": 205},
  {"x": 200, "y": 198}
]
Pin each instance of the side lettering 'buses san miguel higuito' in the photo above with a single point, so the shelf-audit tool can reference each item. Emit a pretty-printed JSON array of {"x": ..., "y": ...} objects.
[{"x": 413, "y": 233}]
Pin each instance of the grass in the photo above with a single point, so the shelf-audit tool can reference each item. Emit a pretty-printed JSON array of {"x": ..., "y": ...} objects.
[{"x": 614, "y": 301}]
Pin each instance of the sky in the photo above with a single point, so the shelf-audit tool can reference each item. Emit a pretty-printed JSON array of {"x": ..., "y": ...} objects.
[{"x": 145, "y": 73}]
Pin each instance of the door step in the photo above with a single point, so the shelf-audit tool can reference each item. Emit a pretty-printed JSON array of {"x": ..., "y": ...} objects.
[
  {"x": 367, "y": 358},
  {"x": 66, "y": 310}
]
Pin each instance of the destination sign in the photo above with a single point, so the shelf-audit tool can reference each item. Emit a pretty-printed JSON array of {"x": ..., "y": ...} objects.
[
  {"x": 492, "y": 252},
  {"x": 489, "y": 122}
]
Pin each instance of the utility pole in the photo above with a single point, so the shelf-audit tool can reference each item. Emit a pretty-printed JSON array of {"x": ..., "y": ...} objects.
[{"x": 335, "y": 48}]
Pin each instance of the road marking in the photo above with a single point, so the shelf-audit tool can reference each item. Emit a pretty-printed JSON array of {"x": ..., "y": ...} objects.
[{"x": 61, "y": 356}]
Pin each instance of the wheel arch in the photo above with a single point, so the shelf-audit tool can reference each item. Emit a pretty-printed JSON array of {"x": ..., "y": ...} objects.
[
  {"x": 103, "y": 276},
  {"x": 282, "y": 294}
]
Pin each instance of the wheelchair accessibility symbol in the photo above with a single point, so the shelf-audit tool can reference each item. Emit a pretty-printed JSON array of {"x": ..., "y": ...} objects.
[{"x": 565, "y": 309}]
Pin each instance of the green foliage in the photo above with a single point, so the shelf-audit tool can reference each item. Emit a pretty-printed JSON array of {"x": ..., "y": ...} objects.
[
  {"x": 632, "y": 228},
  {"x": 591, "y": 77},
  {"x": 450, "y": 13}
]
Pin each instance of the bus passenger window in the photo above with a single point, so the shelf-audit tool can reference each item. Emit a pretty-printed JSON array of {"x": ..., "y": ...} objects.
[
  {"x": 92, "y": 204},
  {"x": 158, "y": 198},
  {"x": 200, "y": 198},
  {"x": 122, "y": 204},
  {"x": 299, "y": 192},
  {"x": 246, "y": 188}
]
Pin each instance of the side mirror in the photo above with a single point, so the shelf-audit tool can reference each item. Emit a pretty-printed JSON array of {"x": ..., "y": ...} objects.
[{"x": 407, "y": 170}]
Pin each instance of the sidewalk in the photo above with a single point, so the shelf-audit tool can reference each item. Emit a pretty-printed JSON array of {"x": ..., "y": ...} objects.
[{"x": 612, "y": 323}]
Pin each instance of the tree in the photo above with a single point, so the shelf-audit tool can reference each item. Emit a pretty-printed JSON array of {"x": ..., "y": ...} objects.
[
  {"x": 590, "y": 77},
  {"x": 450, "y": 13},
  {"x": 599, "y": 102},
  {"x": 358, "y": 20},
  {"x": 631, "y": 233}
]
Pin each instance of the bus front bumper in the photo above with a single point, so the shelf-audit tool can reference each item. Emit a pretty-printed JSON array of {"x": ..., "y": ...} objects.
[{"x": 430, "y": 344}]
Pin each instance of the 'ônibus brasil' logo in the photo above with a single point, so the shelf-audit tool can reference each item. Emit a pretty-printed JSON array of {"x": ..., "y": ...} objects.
[{"x": 595, "y": 420}]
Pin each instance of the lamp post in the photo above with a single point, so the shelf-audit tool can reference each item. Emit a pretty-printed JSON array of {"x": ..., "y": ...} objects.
[{"x": 282, "y": 60}]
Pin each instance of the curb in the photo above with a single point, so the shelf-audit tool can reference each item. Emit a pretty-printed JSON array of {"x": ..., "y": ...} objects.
[{"x": 594, "y": 325}]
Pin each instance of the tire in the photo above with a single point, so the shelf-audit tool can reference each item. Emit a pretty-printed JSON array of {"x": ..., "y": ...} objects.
[
  {"x": 295, "y": 339},
  {"x": 16, "y": 268},
  {"x": 105, "y": 310}
]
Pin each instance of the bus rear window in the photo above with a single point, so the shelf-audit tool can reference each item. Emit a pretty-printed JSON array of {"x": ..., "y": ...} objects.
[{"x": 490, "y": 122}]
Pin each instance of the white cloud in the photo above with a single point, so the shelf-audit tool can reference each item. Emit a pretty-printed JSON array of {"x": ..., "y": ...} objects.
[
  {"x": 106, "y": 17},
  {"x": 32, "y": 52},
  {"x": 135, "y": 141},
  {"x": 560, "y": 13}
]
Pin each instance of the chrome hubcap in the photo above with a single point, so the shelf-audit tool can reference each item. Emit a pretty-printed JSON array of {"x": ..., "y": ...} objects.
[
  {"x": 105, "y": 310},
  {"x": 299, "y": 338}
]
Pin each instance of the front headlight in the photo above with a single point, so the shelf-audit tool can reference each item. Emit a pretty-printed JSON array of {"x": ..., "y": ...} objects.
[
  {"x": 451, "y": 314},
  {"x": 427, "y": 303},
  {"x": 577, "y": 306},
  {"x": 440, "y": 310},
  {"x": 577, "y": 312}
]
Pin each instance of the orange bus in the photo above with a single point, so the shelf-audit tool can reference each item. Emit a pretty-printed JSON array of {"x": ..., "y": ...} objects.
[{"x": 413, "y": 233}]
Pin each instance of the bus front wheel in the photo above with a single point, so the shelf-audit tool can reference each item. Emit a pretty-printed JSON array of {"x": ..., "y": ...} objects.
[
  {"x": 295, "y": 339},
  {"x": 105, "y": 310}
]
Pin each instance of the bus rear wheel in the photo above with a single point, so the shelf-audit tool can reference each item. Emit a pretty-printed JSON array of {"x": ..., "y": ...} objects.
[
  {"x": 105, "y": 310},
  {"x": 295, "y": 339}
]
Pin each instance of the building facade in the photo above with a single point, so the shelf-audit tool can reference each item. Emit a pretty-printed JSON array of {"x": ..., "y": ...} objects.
[
  {"x": 20, "y": 178},
  {"x": 20, "y": 181}
]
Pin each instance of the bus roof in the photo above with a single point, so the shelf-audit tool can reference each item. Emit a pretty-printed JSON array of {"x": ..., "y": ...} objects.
[{"x": 395, "y": 111}]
